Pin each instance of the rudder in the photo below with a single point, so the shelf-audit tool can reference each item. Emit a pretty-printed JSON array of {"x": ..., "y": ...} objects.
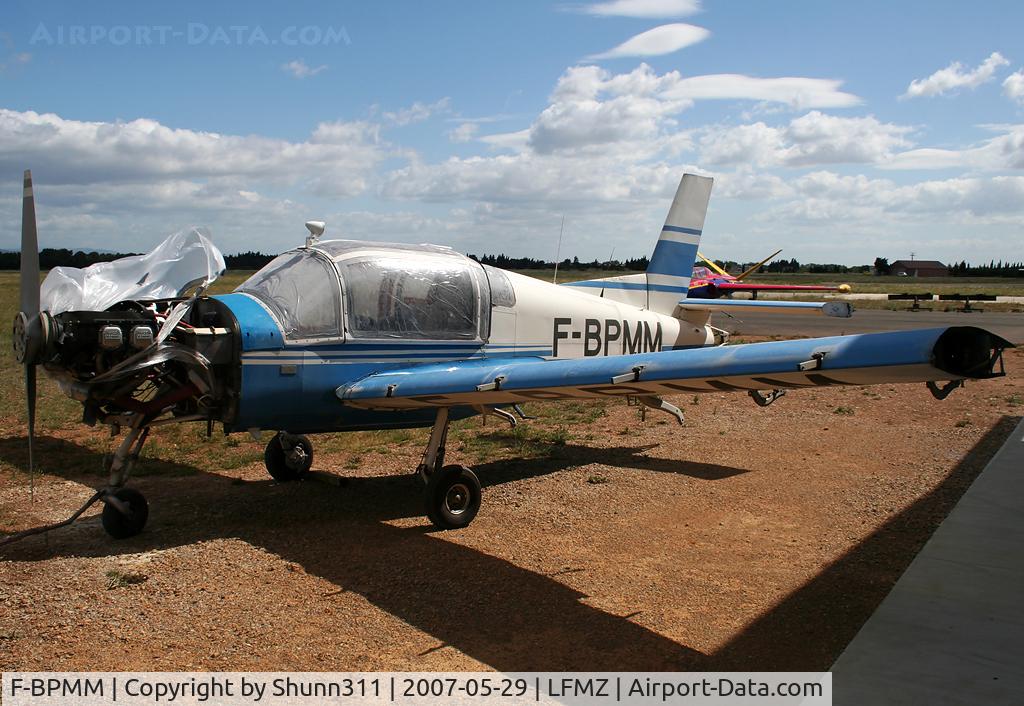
[{"x": 671, "y": 267}]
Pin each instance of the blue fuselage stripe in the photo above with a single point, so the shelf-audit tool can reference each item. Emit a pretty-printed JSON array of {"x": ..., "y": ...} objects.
[{"x": 639, "y": 286}]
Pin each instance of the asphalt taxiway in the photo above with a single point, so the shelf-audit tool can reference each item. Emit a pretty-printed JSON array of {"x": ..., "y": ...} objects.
[{"x": 1009, "y": 325}]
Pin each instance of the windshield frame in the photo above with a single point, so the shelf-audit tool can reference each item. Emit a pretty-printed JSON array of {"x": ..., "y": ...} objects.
[{"x": 279, "y": 317}]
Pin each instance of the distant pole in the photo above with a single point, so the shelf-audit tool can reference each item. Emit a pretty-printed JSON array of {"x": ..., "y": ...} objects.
[
  {"x": 558, "y": 251},
  {"x": 912, "y": 256}
]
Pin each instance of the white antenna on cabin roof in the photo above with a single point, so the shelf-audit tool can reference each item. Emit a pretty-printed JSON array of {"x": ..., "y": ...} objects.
[
  {"x": 316, "y": 229},
  {"x": 558, "y": 251}
]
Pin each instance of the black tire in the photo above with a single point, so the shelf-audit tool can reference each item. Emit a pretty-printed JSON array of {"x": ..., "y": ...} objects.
[
  {"x": 452, "y": 497},
  {"x": 123, "y": 526},
  {"x": 284, "y": 466}
]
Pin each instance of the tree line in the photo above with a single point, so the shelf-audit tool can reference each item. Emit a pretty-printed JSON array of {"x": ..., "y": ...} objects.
[
  {"x": 528, "y": 263},
  {"x": 62, "y": 257},
  {"x": 252, "y": 260},
  {"x": 992, "y": 269}
]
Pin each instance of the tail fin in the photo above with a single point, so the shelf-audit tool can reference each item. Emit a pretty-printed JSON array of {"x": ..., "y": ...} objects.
[{"x": 668, "y": 274}]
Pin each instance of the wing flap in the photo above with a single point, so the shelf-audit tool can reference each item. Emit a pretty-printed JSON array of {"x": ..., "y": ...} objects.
[{"x": 900, "y": 356}]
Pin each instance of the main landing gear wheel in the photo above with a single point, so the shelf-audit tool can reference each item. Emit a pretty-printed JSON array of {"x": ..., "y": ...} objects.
[
  {"x": 288, "y": 457},
  {"x": 452, "y": 497},
  {"x": 126, "y": 516}
]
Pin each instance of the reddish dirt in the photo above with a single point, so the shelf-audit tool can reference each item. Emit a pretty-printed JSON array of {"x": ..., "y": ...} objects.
[{"x": 749, "y": 539}]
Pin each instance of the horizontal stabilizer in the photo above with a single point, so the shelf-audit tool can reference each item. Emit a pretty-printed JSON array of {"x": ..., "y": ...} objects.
[
  {"x": 951, "y": 353},
  {"x": 843, "y": 310}
]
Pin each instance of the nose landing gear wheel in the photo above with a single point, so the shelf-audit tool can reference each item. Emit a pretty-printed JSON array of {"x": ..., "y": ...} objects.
[
  {"x": 452, "y": 497},
  {"x": 121, "y": 525},
  {"x": 288, "y": 457}
]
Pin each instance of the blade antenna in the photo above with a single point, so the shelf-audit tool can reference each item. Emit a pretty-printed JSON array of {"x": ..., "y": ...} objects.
[{"x": 558, "y": 250}]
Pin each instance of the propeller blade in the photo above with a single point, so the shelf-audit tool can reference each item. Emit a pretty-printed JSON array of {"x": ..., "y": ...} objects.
[
  {"x": 28, "y": 332},
  {"x": 29, "y": 251},
  {"x": 712, "y": 265},
  {"x": 30, "y": 395},
  {"x": 754, "y": 268}
]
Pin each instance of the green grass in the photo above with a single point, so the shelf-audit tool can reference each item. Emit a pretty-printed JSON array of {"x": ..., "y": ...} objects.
[
  {"x": 573, "y": 275},
  {"x": 119, "y": 579},
  {"x": 860, "y": 283},
  {"x": 871, "y": 284}
]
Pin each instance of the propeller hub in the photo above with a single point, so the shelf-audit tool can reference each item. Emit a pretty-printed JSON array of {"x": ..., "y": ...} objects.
[{"x": 29, "y": 337}]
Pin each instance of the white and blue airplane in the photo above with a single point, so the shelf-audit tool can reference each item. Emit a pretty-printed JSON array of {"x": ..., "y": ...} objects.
[{"x": 344, "y": 335}]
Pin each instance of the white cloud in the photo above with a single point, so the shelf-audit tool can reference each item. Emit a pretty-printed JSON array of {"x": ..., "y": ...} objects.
[
  {"x": 828, "y": 197},
  {"x": 796, "y": 92},
  {"x": 657, "y": 42},
  {"x": 1013, "y": 86},
  {"x": 744, "y": 144},
  {"x": 300, "y": 69},
  {"x": 817, "y": 138},
  {"x": 337, "y": 159},
  {"x": 812, "y": 139},
  {"x": 464, "y": 132},
  {"x": 418, "y": 112},
  {"x": 644, "y": 8},
  {"x": 592, "y": 109},
  {"x": 1004, "y": 151},
  {"x": 514, "y": 141},
  {"x": 954, "y": 77}
]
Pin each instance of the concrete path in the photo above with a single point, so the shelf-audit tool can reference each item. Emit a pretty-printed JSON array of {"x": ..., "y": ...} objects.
[{"x": 951, "y": 631}]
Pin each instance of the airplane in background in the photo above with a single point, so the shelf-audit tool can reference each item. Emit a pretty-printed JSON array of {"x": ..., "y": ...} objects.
[
  {"x": 345, "y": 335},
  {"x": 712, "y": 282}
]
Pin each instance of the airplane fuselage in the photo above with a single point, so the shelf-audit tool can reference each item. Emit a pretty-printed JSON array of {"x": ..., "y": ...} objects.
[{"x": 290, "y": 385}]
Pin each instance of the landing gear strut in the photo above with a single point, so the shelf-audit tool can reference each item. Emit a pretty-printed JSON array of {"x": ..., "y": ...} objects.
[
  {"x": 125, "y": 510},
  {"x": 452, "y": 495}
]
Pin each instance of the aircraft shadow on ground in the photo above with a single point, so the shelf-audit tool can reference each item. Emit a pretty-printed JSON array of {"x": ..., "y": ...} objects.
[{"x": 500, "y": 614}]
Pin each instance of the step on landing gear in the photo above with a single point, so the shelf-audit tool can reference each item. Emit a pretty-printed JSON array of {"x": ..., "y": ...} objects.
[{"x": 452, "y": 495}]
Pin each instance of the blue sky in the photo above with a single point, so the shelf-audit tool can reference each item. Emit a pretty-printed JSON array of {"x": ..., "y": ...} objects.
[{"x": 838, "y": 131}]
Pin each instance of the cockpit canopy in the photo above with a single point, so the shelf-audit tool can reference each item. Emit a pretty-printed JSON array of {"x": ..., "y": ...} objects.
[{"x": 375, "y": 290}]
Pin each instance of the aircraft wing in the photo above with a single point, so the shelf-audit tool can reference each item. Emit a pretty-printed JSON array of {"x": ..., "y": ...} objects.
[
  {"x": 748, "y": 287},
  {"x": 950, "y": 353},
  {"x": 843, "y": 310}
]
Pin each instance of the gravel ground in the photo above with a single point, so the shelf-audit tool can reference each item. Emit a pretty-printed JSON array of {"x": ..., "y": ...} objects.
[{"x": 748, "y": 539}]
